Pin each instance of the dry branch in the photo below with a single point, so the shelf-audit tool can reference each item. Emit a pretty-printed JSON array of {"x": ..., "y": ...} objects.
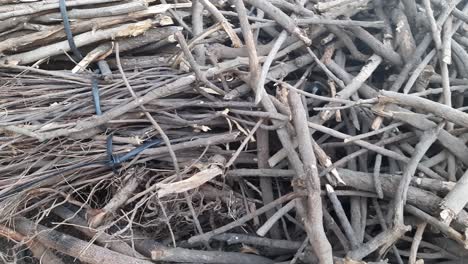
[
  {"x": 72, "y": 246},
  {"x": 80, "y": 40}
]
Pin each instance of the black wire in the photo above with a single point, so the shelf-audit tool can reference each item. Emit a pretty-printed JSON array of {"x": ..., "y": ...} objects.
[
  {"x": 68, "y": 32},
  {"x": 114, "y": 160},
  {"x": 79, "y": 56}
]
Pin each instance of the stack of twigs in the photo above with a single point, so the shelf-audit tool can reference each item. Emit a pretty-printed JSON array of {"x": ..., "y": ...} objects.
[
  {"x": 34, "y": 32},
  {"x": 234, "y": 132}
]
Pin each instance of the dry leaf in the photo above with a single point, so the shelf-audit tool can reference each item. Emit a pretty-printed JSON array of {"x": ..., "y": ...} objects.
[{"x": 188, "y": 184}]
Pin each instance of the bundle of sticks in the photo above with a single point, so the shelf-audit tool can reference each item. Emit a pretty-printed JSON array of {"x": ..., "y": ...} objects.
[{"x": 241, "y": 131}]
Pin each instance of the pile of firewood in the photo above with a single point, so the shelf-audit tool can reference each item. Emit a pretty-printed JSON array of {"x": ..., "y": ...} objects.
[{"x": 217, "y": 131}]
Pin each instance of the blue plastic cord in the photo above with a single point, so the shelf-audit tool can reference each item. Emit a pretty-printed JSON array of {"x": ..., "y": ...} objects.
[
  {"x": 66, "y": 25},
  {"x": 77, "y": 53},
  {"x": 114, "y": 160}
]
